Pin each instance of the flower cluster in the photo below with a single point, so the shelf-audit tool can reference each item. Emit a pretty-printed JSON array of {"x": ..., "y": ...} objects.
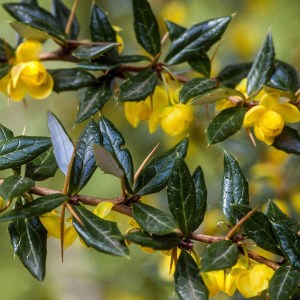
[
  {"x": 250, "y": 278},
  {"x": 27, "y": 74},
  {"x": 162, "y": 108}
]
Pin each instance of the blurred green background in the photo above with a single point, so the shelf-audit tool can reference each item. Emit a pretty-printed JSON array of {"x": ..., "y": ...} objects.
[{"x": 90, "y": 275}]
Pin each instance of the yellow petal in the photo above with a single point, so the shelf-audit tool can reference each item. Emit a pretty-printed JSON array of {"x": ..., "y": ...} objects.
[
  {"x": 230, "y": 284},
  {"x": 242, "y": 86},
  {"x": 269, "y": 100},
  {"x": 42, "y": 91},
  {"x": 28, "y": 51},
  {"x": 214, "y": 281},
  {"x": 70, "y": 236},
  {"x": 17, "y": 92},
  {"x": 153, "y": 122},
  {"x": 253, "y": 115},
  {"x": 52, "y": 223},
  {"x": 4, "y": 83},
  {"x": 261, "y": 136},
  {"x": 103, "y": 209},
  {"x": 289, "y": 112}
]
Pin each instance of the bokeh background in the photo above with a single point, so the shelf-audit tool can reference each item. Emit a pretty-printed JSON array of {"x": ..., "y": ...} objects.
[{"x": 86, "y": 274}]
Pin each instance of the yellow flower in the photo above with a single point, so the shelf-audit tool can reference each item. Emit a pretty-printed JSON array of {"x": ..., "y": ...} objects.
[
  {"x": 1, "y": 203},
  {"x": 27, "y": 75},
  {"x": 214, "y": 281},
  {"x": 269, "y": 116},
  {"x": 119, "y": 39},
  {"x": 174, "y": 11},
  {"x": 147, "y": 110},
  {"x": 176, "y": 119},
  {"x": 249, "y": 277}
]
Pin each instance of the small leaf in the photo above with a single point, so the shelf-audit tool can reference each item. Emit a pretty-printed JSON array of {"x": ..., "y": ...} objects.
[
  {"x": 156, "y": 242},
  {"x": 62, "y": 144},
  {"x": 182, "y": 196},
  {"x": 21, "y": 149},
  {"x": 146, "y": 27},
  {"x": 29, "y": 242},
  {"x": 283, "y": 283},
  {"x": 262, "y": 67},
  {"x": 113, "y": 141},
  {"x": 201, "y": 63},
  {"x": 90, "y": 52},
  {"x": 15, "y": 186},
  {"x": 107, "y": 162},
  {"x": 232, "y": 75},
  {"x": 101, "y": 29},
  {"x": 201, "y": 197},
  {"x": 219, "y": 256},
  {"x": 71, "y": 79},
  {"x": 289, "y": 242},
  {"x": 198, "y": 38},
  {"x": 35, "y": 208},
  {"x": 37, "y": 17},
  {"x": 139, "y": 87},
  {"x": 276, "y": 215},
  {"x": 226, "y": 123},
  {"x": 153, "y": 220},
  {"x": 42, "y": 167},
  {"x": 84, "y": 163},
  {"x": 5, "y": 133},
  {"x": 174, "y": 30},
  {"x": 196, "y": 87},
  {"x": 288, "y": 141},
  {"x": 62, "y": 13},
  {"x": 99, "y": 234},
  {"x": 188, "y": 282},
  {"x": 258, "y": 228},
  {"x": 94, "y": 98},
  {"x": 154, "y": 177},
  {"x": 234, "y": 188}
]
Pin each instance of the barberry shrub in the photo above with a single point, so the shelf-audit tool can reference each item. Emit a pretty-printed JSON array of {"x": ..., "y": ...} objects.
[{"x": 165, "y": 86}]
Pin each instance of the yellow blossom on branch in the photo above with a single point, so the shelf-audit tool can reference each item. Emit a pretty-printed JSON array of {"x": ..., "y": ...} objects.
[
  {"x": 268, "y": 118},
  {"x": 27, "y": 75},
  {"x": 214, "y": 281}
]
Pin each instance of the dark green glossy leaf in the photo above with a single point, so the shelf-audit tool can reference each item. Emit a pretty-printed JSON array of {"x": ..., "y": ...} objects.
[
  {"x": 21, "y": 149},
  {"x": 198, "y": 38},
  {"x": 182, "y": 196},
  {"x": 174, "y": 30},
  {"x": 201, "y": 63},
  {"x": 6, "y": 50},
  {"x": 94, "y": 98},
  {"x": 14, "y": 186},
  {"x": 36, "y": 17},
  {"x": 125, "y": 59},
  {"x": 216, "y": 94},
  {"x": 106, "y": 161},
  {"x": 154, "y": 177},
  {"x": 153, "y": 220},
  {"x": 234, "y": 188},
  {"x": 113, "y": 141},
  {"x": 188, "y": 282},
  {"x": 146, "y": 27},
  {"x": 101, "y": 29},
  {"x": 84, "y": 163},
  {"x": 35, "y": 208},
  {"x": 5, "y": 133},
  {"x": 289, "y": 242},
  {"x": 99, "y": 234},
  {"x": 42, "y": 167},
  {"x": 31, "y": 2},
  {"x": 29, "y": 242},
  {"x": 262, "y": 67},
  {"x": 226, "y": 123},
  {"x": 288, "y": 141},
  {"x": 196, "y": 87},
  {"x": 62, "y": 144},
  {"x": 88, "y": 52},
  {"x": 4, "y": 69},
  {"x": 258, "y": 228},
  {"x": 219, "y": 256},
  {"x": 139, "y": 87},
  {"x": 233, "y": 74},
  {"x": 201, "y": 197},
  {"x": 276, "y": 215},
  {"x": 283, "y": 283},
  {"x": 156, "y": 242},
  {"x": 71, "y": 79},
  {"x": 61, "y": 12}
]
